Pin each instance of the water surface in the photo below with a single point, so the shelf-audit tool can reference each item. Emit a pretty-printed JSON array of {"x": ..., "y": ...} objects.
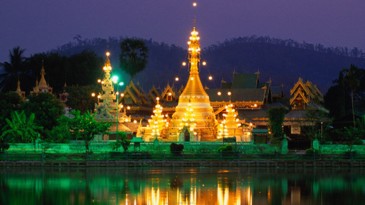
[{"x": 152, "y": 186}]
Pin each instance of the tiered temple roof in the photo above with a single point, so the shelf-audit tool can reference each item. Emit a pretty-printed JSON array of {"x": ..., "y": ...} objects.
[{"x": 304, "y": 97}]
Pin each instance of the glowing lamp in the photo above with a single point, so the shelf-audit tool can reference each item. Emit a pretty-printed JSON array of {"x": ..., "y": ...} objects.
[{"x": 115, "y": 79}]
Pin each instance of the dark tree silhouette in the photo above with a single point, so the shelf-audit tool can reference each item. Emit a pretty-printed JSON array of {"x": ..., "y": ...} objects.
[
  {"x": 133, "y": 56},
  {"x": 46, "y": 107},
  {"x": 351, "y": 80}
]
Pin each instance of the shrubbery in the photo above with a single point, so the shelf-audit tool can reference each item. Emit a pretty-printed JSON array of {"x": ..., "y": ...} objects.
[{"x": 176, "y": 149}]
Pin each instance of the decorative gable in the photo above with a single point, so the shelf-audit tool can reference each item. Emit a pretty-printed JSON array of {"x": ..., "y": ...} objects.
[
  {"x": 153, "y": 94},
  {"x": 168, "y": 94}
]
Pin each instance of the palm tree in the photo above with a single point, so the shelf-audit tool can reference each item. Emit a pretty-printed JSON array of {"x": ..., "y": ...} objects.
[
  {"x": 351, "y": 80},
  {"x": 133, "y": 56},
  {"x": 14, "y": 68}
]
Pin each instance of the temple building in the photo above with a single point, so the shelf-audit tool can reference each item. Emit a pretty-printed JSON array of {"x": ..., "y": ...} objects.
[
  {"x": 245, "y": 92},
  {"x": 306, "y": 103}
]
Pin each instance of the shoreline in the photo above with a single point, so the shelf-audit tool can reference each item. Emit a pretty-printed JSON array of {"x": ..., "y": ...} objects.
[{"x": 272, "y": 163}]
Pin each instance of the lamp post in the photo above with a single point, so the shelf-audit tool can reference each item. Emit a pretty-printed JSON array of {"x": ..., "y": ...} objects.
[{"x": 115, "y": 81}]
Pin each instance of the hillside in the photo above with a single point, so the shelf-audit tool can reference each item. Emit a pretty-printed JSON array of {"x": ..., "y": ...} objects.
[{"x": 282, "y": 61}]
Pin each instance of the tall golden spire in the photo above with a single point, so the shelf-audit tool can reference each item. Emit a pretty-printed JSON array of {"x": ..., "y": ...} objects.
[{"x": 194, "y": 97}]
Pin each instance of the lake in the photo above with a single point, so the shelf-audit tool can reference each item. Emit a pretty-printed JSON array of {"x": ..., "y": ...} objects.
[{"x": 152, "y": 186}]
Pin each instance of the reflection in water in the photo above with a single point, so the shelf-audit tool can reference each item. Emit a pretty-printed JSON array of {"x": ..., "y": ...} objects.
[{"x": 155, "y": 186}]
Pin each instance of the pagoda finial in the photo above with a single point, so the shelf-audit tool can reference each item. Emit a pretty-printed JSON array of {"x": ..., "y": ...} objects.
[
  {"x": 195, "y": 5},
  {"x": 107, "y": 66}
]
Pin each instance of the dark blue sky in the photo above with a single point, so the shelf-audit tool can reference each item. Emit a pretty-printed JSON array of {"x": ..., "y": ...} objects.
[{"x": 40, "y": 25}]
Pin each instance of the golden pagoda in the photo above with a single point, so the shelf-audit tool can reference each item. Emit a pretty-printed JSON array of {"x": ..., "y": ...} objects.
[
  {"x": 193, "y": 98},
  {"x": 42, "y": 86}
]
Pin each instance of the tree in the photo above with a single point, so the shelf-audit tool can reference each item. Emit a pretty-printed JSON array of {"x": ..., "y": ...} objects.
[
  {"x": 85, "y": 127},
  {"x": 55, "y": 67},
  {"x": 21, "y": 128},
  {"x": 347, "y": 96},
  {"x": 79, "y": 69},
  {"x": 122, "y": 141},
  {"x": 276, "y": 119},
  {"x": 335, "y": 101},
  {"x": 9, "y": 102},
  {"x": 14, "y": 68},
  {"x": 83, "y": 68},
  {"x": 80, "y": 97},
  {"x": 46, "y": 107},
  {"x": 320, "y": 120},
  {"x": 133, "y": 56},
  {"x": 61, "y": 132}
]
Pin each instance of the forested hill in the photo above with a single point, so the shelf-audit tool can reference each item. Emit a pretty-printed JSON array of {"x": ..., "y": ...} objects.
[{"x": 282, "y": 61}]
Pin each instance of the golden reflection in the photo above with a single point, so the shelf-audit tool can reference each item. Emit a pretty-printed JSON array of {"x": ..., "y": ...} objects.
[
  {"x": 155, "y": 196},
  {"x": 222, "y": 194}
]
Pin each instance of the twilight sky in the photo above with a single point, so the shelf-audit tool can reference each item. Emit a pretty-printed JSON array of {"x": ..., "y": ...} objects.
[{"x": 41, "y": 25}]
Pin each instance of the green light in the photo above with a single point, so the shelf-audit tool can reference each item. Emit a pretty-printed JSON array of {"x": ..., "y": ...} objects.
[{"x": 121, "y": 84}]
